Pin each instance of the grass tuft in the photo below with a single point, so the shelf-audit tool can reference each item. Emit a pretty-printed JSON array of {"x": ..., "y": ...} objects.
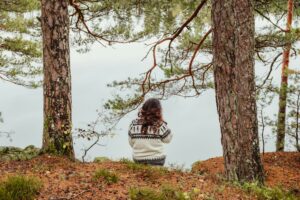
[
  {"x": 108, "y": 176},
  {"x": 19, "y": 188},
  {"x": 101, "y": 159},
  {"x": 166, "y": 193},
  {"x": 267, "y": 193},
  {"x": 147, "y": 172}
]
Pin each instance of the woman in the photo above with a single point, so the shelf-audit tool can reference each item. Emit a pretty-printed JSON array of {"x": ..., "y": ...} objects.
[{"x": 148, "y": 133}]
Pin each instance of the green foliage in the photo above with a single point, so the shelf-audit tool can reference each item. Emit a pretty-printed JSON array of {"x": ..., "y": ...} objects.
[
  {"x": 19, "y": 6},
  {"x": 132, "y": 20},
  {"x": 266, "y": 193},
  {"x": 147, "y": 172},
  {"x": 141, "y": 167},
  {"x": 19, "y": 188},
  {"x": 293, "y": 108},
  {"x": 108, "y": 176},
  {"x": 101, "y": 159},
  {"x": 20, "y": 42},
  {"x": 15, "y": 153},
  {"x": 161, "y": 19},
  {"x": 166, "y": 193},
  {"x": 121, "y": 105}
]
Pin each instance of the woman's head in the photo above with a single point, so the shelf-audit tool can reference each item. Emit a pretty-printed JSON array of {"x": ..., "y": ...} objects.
[{"x": 151, "y": 112}]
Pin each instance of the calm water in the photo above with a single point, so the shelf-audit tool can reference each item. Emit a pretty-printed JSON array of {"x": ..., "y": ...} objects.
[{"x": 194, "y": 121}]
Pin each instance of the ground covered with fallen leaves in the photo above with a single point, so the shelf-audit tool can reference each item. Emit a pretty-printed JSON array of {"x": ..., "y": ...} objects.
[{"x": 63, "y": 179}]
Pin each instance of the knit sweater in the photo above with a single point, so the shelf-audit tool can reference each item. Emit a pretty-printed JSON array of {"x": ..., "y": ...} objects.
[{"x": 149, "y": 145}]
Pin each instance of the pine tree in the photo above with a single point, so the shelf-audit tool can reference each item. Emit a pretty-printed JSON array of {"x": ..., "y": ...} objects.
[
  {"x": 233, "y": 60},
  {"x": 284, "y": 83},
  {"x": 57, "y": 135}
]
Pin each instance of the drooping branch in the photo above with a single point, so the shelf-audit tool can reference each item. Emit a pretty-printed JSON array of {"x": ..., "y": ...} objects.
[
  {"x": 171, "y": 39},
  {"x": 270, "y": 70}
]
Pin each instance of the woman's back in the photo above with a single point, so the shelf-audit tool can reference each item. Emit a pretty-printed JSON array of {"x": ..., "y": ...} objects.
[{"x": 148, "y": 133}]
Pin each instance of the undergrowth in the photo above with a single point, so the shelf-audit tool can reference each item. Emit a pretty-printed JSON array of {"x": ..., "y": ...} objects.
[
  {"x": 166, "y": 193},
  {"x": 108, "y": 176},
  {"x": 147, "y": 172},
  {"x": 19, "y": 187},
  {"x": 267, "y": 193}
]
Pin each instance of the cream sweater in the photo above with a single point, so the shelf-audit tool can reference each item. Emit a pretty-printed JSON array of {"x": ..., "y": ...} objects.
[{"x": 148, "y": 146}]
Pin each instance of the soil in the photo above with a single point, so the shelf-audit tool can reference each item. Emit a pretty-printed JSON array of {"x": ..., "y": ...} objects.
[{"x": 63, "y": 179}]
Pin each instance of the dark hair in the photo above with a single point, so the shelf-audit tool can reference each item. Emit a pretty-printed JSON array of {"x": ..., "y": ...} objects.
[{"x": 151, "y": 115}]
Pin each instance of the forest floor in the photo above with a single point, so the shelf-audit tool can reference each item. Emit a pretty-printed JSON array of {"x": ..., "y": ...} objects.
[{"x": 63, "y": 179}]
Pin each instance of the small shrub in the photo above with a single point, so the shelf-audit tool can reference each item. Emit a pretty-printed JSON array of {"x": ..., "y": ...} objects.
[
  {"x": 266, "y": 193},
  {"x": 108, "y": 176},
  {"x": 19, "y": 188},
  {"x": 166, "y": 193}
]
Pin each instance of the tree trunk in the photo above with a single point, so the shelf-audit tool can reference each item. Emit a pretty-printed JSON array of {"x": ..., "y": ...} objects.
[
  {"x": 233, "y": 51},
  {"x": 57, "y": 136},
  {"x": 297, "y": 122},
  {"x": 284, "y": 84}
]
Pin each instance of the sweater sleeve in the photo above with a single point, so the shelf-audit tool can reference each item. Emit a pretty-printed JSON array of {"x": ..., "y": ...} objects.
[
  {"x": 129, "y": 135},
  {"x": 166, "y": 134}
]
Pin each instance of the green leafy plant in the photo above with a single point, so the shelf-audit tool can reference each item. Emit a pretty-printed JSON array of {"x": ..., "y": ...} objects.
[
  {"x": 108, "y": 176},
  {"x": 19, "y": 187}
]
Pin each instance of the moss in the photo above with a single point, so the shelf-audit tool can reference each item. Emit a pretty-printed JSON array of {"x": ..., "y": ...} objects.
[
  {"x": 57, "y": 143},
  {"x": 19, "y": 188}
]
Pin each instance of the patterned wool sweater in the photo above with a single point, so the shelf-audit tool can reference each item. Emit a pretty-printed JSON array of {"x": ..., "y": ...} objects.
[{"x": 148, "y": 146}]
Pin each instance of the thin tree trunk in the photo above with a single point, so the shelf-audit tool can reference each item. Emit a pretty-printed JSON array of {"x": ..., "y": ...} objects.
[
  {"x": 233, "y": 51},
  {"x": 57, "y": 137},
  {"x": 284, "y": 84},
  {"x": 262, "y": 131},
  {"x": 297, "y": 123}
]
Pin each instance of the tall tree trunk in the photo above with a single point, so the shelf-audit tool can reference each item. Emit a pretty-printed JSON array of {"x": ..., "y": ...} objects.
[
  {"x": 233, "y": 51},
  {"x": 57, "y": 137},
  {"x": 284, "y": 83}
]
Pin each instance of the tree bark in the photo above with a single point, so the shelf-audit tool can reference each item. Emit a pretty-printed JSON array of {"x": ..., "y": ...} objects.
[
  {"x": 57, "y": 133},
  {"x": 233, "y": 51},
  {"x": 284, "y": 84}
]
